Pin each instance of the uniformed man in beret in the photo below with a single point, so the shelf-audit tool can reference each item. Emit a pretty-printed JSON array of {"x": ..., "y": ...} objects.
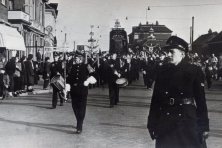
[
  {"x": 77, "y": 78},
  {"x": 178, "y": 116},
  {"x": 56, "y": 69}
]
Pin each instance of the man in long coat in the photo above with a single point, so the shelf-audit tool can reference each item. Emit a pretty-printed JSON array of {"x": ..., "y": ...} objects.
[
  {"x": 30, "y": 72},
  {"x": 178, "y": 116}
]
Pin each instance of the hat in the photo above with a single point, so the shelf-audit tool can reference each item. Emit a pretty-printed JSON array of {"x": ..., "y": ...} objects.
[
  {"x": 47, "y": 58},
  {"x": 176, "y": 42},
  {"x": 30, "y": 56},
  {"x": 79, "y": 54}
]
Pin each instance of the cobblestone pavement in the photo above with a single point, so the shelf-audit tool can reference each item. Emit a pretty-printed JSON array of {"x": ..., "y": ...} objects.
[{"x": 28, "y": 121}]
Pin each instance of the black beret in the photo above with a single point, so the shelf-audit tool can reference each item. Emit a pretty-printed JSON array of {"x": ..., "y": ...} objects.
[
  {"x": 79, "y": 54},
  {"x": 176, "y": 42}
]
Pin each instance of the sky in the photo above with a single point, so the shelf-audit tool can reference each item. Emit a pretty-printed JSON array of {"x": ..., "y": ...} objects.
[{"x": 76, "y": 16}]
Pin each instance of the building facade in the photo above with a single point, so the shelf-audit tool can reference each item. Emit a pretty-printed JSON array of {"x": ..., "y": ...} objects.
[
  {"x": 4, "y": 10},
  {"x": 29, "y": 17},
  {"x": 201, "y": 44},
  {"x": 11, "y": 41},
  {"x": 51, "y": 13},
  {"x": 148, "y": 36}
]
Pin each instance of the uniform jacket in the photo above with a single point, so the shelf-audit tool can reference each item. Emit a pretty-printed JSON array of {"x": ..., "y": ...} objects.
[
  {"x": 78, "y": 74},
  {"x": 182, "y": 81},
  {"x": 56, "y": 67},
  {"x": 113, "y": 66}
]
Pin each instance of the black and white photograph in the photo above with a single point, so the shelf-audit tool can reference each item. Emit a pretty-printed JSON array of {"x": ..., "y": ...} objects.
[{"x": 110, "y": 74}]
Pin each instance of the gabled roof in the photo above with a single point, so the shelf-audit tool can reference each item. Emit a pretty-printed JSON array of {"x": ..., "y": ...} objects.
[
  {"x": 216, "y": 39},
  {"x": 205, "y": 38},
  {"x": 156, "y": 28}
]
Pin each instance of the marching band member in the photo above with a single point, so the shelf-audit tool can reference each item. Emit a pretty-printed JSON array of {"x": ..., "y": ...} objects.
[
  {"x": 56, "y": 69},
  {"x": 113, "y": 76},
  {"x": 79, "y": 81}
]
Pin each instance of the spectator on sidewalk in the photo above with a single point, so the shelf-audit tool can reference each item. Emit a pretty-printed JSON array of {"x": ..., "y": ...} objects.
[
  {"x": 23, "y": 74},
  {"x": 17, "y": 79},
  {"x": 46, "y": 73},
  {"x": 10, "y": 68},
  {"x": 30, "y": 72}
]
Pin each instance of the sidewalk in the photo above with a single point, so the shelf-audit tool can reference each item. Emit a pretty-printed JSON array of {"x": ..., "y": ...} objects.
[{"x": 38, "y": 89}]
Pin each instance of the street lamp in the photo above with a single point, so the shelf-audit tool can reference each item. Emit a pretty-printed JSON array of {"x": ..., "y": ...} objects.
[{"x": 147, "y": 9}]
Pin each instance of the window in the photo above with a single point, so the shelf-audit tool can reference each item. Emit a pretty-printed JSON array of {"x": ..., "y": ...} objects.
[
  {"x": 3, "y": 2},
  {"x": 136, "y": 37},
  {"x": 41, "y": 13},
  {"x": 10, "y": 5}
]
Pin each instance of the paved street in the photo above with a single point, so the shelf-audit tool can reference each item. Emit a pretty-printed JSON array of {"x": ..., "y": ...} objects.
[{"x": 28, "y": 122}]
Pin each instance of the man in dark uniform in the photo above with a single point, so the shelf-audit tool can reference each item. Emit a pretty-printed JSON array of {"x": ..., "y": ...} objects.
[
  {"x": 178, "y": 116},
  {"x": 114, "y": 74},
  {"x": 77, "y": 78},
  {"x": 56, "y": 69}
]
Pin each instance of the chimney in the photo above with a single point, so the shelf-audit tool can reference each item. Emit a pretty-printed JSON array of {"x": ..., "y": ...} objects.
[{"x": 157, "y": 23}]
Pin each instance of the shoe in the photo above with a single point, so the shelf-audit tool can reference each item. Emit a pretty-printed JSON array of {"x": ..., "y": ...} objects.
[
  {"x": 61, "y": 104},
  {"x": 53, "y": 107},
  {"x": 78, "y": 131},
  {"x": 15, "y": 94}
]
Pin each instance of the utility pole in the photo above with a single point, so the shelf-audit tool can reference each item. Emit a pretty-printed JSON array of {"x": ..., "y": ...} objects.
[
  {"x": 74, "y": 44},
  {"x": 64, "y": 62},
  {"x": 192, "y": 32},
  {"x": 190, "y": 35}
]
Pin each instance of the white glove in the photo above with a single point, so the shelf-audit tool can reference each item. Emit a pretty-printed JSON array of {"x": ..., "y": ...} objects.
[
  {"x": 86, "y": 83},
  {"x": 67, "y": 87},
  {"x": 116, "y": 73},
  {"x": 91, "y": 80},
  {"x": 144, "y": 72}
]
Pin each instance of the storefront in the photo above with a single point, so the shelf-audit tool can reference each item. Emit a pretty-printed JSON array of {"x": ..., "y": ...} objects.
[{"x": 11, "y": 42}]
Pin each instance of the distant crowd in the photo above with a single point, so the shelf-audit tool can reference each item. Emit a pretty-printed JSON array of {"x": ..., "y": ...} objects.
[{"x": 19, "y": 75}]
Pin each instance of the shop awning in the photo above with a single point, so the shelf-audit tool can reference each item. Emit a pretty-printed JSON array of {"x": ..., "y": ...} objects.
[{"x": 11, "y": 39}]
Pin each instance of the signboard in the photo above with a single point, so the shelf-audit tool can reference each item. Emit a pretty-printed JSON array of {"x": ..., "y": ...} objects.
[
  {"x": 118, "y": 41},
  {"x": 80, "y": 47}
]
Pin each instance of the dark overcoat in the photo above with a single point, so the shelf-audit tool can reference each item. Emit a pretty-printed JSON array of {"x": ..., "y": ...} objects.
[
  {"x": 178, "y": 125},
  {"x": 30, "y": 72}
]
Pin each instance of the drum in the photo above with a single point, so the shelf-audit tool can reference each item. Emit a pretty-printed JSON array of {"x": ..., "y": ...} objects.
[
  {"x": 58, "y": 82},
  {"x": 122, "y": 82}
]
